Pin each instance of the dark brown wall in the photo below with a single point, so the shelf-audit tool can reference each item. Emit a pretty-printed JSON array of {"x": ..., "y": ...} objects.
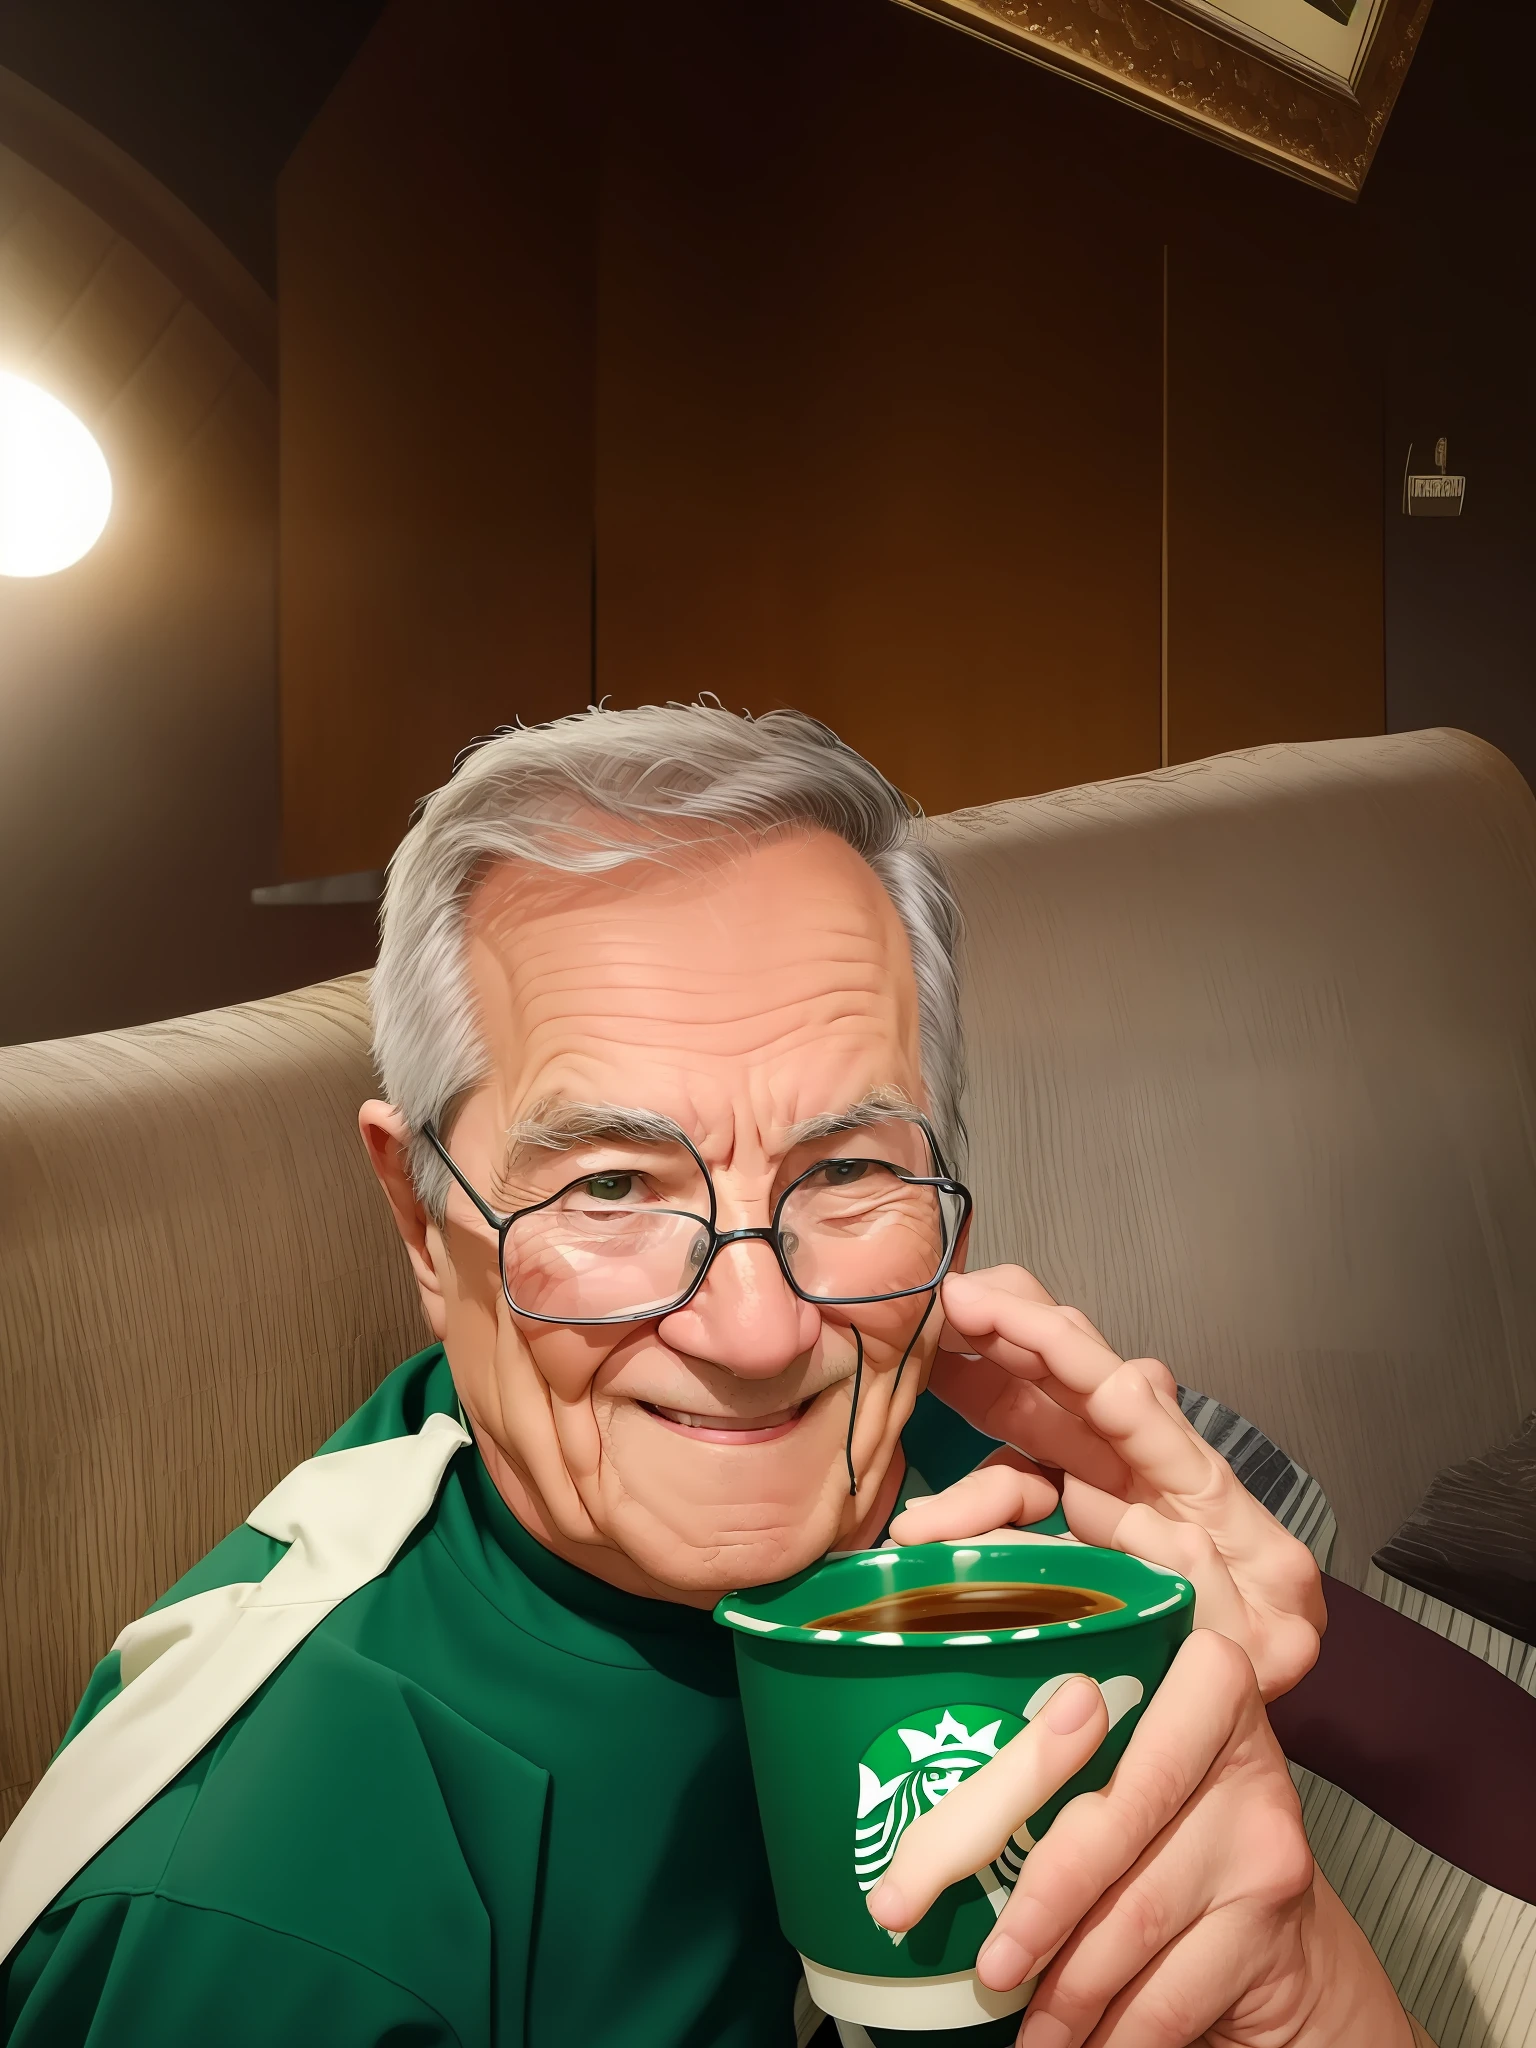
[
  {"x": 883, "y": 334},
  {"x": 1450, "y": 205},
  {"x": 869, "y": 441},
  {"x": 869, "y": 322},
  {"x": 436, "y": 484},
  {"x": 1274, "y": 464}
]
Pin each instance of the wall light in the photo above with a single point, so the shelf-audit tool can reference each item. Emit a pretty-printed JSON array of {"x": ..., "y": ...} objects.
[{"x": 55, "y": 487}]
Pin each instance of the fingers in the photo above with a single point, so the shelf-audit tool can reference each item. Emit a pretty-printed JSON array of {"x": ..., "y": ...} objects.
[
  {"x": 1003, "y": 1333},
  {"x": 1152, "y": 1436},
  {"x": 1001, "y": 1405},
  {"x": 1045, "y": 1380},
  {"x": 1030, "y": 1340},
  {"x": 961, "y": 1336},
  {"x": 1182, "y": 1547},
  {"x": 1006, "y": 1304},
  {"x": 1013, "y": 1278},
  {"x": 1096, "y": 1839},
  {"x": 992, "y": 1497},
  {"x": 1161, "y": 1381},
  {"x": 1200, "y": 1922},
  {"x": 1281, "y": 1639},
  {"x": 969, "y": 1826},
  {"x": 1168, "y": 1462},
  {"x": 1185, "y": 1935},
  {"x": 1173, "y": 2001},
  {"x": 1178, "y": 1472},
  {"x": 1168, "y": 1888}
]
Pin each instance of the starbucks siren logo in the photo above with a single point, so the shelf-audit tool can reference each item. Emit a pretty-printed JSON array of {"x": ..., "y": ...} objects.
[{"x": 906, "y": 1772}]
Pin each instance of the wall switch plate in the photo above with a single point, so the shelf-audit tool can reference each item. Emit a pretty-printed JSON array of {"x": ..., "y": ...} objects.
[{"x": 1433, "y": 494}]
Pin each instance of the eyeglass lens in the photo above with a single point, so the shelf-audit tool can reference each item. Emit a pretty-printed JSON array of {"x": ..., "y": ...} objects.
[{"x": 630, "y": 1243}]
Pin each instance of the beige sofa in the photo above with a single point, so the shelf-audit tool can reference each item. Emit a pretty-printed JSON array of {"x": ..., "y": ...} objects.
[{"x": 1253, "y": 1082}]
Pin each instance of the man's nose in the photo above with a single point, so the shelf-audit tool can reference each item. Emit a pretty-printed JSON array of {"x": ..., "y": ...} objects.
[{"x": 745, "y": 1317}]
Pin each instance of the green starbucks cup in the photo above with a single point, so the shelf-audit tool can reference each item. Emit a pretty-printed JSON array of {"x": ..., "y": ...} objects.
[{"x": 878, "y": 1680}]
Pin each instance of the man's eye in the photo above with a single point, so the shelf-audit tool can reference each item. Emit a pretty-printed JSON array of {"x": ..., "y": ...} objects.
[
  {"x": 610, "y": 1187},
  {"x": 839, "y": 1172}
]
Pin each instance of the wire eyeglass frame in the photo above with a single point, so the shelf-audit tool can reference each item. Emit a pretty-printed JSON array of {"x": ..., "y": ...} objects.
[{"x": 941, "y": 1182}]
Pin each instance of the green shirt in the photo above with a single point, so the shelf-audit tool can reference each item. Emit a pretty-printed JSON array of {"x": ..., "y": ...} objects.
[{"x": 488, "y": 1800}]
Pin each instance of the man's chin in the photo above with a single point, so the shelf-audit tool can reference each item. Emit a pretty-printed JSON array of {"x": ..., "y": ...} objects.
[
  {"x": 692, "y": 1562},
  {"x": 702, "y": 1516}
]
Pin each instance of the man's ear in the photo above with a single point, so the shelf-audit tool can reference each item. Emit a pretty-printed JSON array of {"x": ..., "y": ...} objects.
[{"x": 386, "y": 1135}]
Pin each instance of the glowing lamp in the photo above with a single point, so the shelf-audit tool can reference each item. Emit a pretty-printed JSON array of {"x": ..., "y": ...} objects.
[{"x": 55, "y": 487}]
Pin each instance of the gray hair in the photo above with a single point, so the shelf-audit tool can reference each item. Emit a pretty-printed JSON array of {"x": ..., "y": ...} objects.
[{"x": 591, "y": 792}]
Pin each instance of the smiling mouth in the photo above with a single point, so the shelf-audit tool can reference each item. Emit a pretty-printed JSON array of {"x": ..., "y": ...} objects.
[{"x": 728, "y": 1429}]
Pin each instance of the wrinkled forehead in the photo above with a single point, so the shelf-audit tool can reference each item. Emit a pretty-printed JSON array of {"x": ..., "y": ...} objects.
[{"x": 782, "y": 964}]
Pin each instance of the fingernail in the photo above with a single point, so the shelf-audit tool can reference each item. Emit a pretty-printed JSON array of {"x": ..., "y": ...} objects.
[
  {"x": 1002, "y": 1963},
  {"x": 1032, "y": 1932},
  {"x": 1071, "y": 1707},
  {"x": 1044, "y": 2030},
  {"x": 886, "y": 1904}
]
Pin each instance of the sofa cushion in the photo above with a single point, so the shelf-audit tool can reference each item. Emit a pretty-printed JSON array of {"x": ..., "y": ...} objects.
[{"x": 1471, "y": 1541}]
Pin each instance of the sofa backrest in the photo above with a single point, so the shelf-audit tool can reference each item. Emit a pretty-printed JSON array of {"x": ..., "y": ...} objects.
[
  {"x": 1253, "y": 1082},
  {"x": 198, "y": 1281}
]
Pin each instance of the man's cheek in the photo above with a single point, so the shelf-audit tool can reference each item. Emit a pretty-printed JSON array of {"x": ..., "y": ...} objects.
[{"x": 567, "y": 1360}]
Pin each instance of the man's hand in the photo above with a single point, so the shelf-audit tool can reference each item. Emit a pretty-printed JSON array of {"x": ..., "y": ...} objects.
[
  {"x": 1178, "y": 1905},
  {"x": 1138, "y": 1477}
]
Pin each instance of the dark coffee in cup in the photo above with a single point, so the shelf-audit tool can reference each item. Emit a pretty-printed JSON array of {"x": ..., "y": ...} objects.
[{"x": 950, "y": 1610}]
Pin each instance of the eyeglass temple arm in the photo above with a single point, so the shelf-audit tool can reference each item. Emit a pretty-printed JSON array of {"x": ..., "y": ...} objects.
[
  {"x": 496, "y": 1221},
  {"x": 933, "y": 1146}
]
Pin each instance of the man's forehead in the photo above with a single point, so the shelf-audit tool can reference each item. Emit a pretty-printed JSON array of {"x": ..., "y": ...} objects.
[
  {"x": 802, "y": 922},
  {"x": 792, "y": 880},
  {"x": 771, "y": 989}
]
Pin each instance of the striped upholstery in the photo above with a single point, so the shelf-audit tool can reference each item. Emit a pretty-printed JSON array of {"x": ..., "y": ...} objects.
[
  {"x": 1277, "y": 1482},
  {"x": 1461, "y": 1955}
]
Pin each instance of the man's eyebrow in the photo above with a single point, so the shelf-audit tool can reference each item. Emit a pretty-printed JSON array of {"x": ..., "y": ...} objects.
[
  {"x": 554, "y": 1127},
  {"x": 879, "y": 1106},
  {"x": 562, "y": 1126}
]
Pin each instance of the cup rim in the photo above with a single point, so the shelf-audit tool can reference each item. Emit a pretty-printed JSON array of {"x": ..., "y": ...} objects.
[{"x": 735, "y": 1611}]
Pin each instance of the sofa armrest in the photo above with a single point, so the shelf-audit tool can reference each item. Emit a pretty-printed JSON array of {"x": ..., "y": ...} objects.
[{"x": 1423, "y": 1733}]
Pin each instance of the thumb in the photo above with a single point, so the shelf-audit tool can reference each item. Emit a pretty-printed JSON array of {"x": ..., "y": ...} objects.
[{"x": 994, "y": 1496}]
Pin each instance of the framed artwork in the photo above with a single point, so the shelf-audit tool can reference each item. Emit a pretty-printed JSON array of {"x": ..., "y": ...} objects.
[{"x": 1304, "y": 85}]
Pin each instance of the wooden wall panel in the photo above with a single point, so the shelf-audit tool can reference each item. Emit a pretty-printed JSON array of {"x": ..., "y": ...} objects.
[
  {"x": 879, "y": 398},
  {"x": 435, "y": 239},
  {"x": 1275, "y": 392},
  {"x": 845, "y": 335}
]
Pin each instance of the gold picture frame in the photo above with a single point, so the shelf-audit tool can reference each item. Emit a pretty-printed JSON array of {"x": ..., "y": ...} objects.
[{"x": 1303, "y": 85}]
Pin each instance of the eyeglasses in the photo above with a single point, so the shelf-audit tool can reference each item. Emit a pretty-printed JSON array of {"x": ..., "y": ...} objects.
[{"x": 634, "y": 1242}]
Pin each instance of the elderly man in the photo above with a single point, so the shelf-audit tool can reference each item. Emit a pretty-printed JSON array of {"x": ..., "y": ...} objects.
[{"x": 443, "y": 1746}]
